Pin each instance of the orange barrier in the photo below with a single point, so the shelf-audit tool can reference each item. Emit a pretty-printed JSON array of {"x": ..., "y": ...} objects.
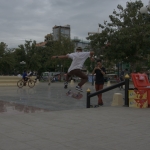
[{"x": 142, "y": 85}]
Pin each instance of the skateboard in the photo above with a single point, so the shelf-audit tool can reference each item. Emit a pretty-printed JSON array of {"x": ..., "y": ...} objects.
[{"x": 74, "y": 94}]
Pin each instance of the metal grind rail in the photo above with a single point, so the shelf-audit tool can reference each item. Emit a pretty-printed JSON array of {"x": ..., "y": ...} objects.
[{"x": 126, "y": 83}]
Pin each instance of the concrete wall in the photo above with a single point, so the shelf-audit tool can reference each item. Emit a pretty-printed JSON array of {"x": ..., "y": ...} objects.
[{"x": 10, "y": 80}]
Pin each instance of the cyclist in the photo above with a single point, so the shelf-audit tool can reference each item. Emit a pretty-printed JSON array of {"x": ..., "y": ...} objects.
[{"x": 24, "y": 77}]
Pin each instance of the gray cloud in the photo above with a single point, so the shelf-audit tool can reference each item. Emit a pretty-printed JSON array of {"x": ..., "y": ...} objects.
[{"x": 32, "y": 19}]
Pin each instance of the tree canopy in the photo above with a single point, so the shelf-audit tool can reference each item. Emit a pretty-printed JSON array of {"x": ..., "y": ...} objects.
[
  {"x": 126, "y": 38},
  {"x": 36, "y": 58}
]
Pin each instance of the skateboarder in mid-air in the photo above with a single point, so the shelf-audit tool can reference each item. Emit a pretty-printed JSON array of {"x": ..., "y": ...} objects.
[{"x": 78, "y": 59}]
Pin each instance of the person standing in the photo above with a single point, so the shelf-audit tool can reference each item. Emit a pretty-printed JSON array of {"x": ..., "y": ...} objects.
[
  {"x": 126, "y": 72},
  {"x": 78, "y": 59},
  {"x": 99, "y": 72}
]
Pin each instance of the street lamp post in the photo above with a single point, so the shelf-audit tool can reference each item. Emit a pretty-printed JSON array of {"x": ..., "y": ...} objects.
[
  {"x": 118, "y": 69},
  {"x": 144, "y": 9},
  {"x": 60, "y": 70},
  {"x": 95, "y": 57},
  {"x": 58, "y": 67},
  {"x": 22, "y": 63}
]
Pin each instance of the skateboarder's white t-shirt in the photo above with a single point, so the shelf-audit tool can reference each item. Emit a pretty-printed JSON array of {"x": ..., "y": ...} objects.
[{"x": 78, "y": 59}]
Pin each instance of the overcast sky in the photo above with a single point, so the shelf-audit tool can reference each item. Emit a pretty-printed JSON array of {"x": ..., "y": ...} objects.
[{"x": 22, "y": 20}]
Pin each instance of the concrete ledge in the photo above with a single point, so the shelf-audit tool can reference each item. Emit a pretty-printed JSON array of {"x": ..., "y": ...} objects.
[
  {"x": 10, "y": 80},
  {"x": 117, "y": 100},
  {"x": 108, "y": 83}
]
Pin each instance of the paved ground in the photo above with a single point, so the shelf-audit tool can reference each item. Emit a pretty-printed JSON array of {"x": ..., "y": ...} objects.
[
  {"x": 51, "y": 97},
  {"x": 43, "y": 118}
]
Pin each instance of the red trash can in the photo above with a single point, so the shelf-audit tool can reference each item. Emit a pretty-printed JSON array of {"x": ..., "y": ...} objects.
[{"x": 141, "y": 82}]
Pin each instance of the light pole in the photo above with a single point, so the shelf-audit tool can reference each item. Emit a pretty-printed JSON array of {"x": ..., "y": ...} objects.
[
  {"x": 58, "y": 67},
  {"x": 118, "y": 69},
  {"x": 22, "y": 63},
  {"x": 95, "y": 57},
  {"x": 60, "y": 70},
  {"x": 144, "y": 9}
]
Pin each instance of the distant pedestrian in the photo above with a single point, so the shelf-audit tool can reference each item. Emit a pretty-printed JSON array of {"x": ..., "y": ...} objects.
[
  {"x": 99, "y": 72},
  {"x": 121, "y": 78}
]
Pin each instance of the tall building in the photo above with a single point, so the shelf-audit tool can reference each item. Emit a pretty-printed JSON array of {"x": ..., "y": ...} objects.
[{"x": 59, "y": 31}]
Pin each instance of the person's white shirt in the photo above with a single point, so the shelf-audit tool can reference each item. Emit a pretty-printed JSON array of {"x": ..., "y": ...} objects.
[{"x": 78, "y": 59}]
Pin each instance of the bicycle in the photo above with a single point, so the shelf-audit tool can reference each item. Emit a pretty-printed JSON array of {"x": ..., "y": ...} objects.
[{"x": 30, "y": 82}]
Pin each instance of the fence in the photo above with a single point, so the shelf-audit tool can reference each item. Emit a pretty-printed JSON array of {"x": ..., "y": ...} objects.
[{"x": 126, "y": 83}]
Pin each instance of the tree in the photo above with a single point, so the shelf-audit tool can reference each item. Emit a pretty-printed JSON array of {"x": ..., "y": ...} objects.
[
  {"x": 126, "y": 37},
  {"x": 36, "y": 58},
  {"x": 6, "y": 60},
  {"x": 61, "y": 47},
  {"x": 3, "y": 48},
  {"x": 32, "y": 56}
]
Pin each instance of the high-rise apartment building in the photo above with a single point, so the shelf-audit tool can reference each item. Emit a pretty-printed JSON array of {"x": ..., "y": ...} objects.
[{"x": 59, "y": 31}]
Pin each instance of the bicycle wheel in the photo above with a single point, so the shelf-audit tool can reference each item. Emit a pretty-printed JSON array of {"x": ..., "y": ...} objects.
[
  {"x": 20, "y": 83},
  {"x": 31, "y": 83}
]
